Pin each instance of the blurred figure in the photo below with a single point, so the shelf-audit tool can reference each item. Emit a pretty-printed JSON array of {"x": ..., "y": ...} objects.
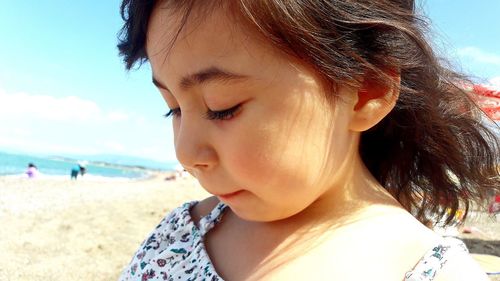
[
  {"x": 32, "y": 171},
  {"x": 78, "y": 169},
  {"x": 74, "y": 172},
  {"x": 83, "y": 170},
  {"x": 181, "y": 172}
]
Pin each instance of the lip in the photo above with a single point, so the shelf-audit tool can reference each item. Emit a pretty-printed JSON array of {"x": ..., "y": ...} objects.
[{"x": 229, "y": 196}]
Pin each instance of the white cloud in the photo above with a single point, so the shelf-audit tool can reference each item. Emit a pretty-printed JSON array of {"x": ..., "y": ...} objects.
[
  {"x": 113, "y": 146},
  {"x": 46, "y": 147},
  {"x": 117, "y": 116},
  {"x": 14, "y": 131},
  {"x": 47, "y": 107},
  {"x": 75, "y": 125},
  {"x": 67, "y": 109},
  {"x": 479, "y": 55},
  {"x": 140, "y": 121}
]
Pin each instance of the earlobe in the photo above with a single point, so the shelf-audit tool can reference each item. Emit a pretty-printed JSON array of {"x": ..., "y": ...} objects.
[{"x": 374, "y": 101}]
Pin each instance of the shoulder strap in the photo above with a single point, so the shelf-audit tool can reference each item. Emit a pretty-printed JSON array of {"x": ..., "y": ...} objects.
[
  {"x": 427, "y": 268},
  {"x": 209, "y": 221}
]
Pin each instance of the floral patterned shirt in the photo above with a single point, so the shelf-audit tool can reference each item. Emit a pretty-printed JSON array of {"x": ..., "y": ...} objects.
[
  {"x": 428, "y": 266},
  {"x": 175, "y": 251}
]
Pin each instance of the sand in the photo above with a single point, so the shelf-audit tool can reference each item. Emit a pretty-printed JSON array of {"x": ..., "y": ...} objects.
[
  {"x": 83, "y": 230},
  {"x": 88, "y": 230}
]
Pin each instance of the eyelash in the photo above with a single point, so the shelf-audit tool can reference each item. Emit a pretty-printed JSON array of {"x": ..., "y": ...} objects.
[{"x": 210, "y": 115}]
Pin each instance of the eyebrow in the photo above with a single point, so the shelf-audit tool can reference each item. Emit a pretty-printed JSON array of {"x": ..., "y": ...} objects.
[{"x": 210, "y": 74}]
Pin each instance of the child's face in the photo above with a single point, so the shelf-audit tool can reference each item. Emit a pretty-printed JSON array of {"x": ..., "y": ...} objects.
[{"x": 282, "y": 148}]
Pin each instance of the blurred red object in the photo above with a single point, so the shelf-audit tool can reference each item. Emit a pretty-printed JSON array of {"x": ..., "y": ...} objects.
[
  {"x": 494, "y": 206},
  {"x": 488, "y": 98}
]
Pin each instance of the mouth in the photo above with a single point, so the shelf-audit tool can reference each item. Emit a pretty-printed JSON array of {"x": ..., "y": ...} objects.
[{"x": 229, "y": 196}]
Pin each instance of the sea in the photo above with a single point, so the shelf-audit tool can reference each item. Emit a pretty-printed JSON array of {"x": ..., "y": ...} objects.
[{"x": 15, "y": 165}]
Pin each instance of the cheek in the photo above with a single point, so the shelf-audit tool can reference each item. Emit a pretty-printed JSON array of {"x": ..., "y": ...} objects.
[
  {"x": 248, "y": 156},
  {"x": 282, "y": 153}
]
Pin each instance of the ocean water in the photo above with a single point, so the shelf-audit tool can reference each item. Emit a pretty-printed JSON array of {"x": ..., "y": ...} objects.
[{"x": 16, "y": 165}]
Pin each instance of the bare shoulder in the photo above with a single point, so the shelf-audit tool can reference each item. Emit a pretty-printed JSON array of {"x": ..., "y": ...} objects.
[
  {"x": 403, "y": 243},
  {"x": 203, "y": 208},
  {"x": 461, "y": 268}
]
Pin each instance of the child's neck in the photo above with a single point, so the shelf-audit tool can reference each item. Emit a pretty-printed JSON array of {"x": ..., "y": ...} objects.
[{"x": 360, "y": 199}]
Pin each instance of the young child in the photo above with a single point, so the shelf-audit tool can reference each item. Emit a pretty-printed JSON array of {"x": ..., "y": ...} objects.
[
  {"x": 32, "y": 171},
  {"x": 327, "y": 132}
]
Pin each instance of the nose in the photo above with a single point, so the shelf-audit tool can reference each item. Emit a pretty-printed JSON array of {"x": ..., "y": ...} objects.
[{"x": 193, "y": 146}]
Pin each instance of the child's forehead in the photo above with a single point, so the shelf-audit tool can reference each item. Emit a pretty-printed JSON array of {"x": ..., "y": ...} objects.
[
  {"x": 169, "y": 40},
  {"x": 205, "y": 40},
  {"x": 177, "y": 27}
]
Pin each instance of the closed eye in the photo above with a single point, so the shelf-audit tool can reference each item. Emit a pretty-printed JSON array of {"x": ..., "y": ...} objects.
[
  {"x": 173, "y": 112},
  {"x": 210, "y": 114},
  {"x": 222, "y": 114}
]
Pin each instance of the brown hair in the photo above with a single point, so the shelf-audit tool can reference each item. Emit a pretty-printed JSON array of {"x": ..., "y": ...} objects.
[{"x": 431, "y": 152}]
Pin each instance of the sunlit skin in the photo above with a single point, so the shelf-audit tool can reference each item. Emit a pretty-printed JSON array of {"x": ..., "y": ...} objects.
[
  {"x": 284, "y": 142},
  {"x": 286, "y": 160}
]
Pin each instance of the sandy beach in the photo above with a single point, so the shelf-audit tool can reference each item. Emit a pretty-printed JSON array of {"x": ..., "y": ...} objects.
[
  {"x": 83, "y": 230},
  {"x": 88, "y": 230}
]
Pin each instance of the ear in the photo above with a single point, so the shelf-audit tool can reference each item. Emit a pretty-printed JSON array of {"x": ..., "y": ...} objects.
[{"x": 374, "y": 101}]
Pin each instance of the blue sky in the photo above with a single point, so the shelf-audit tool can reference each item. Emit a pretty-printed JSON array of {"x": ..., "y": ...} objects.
[
  {"x": 468, "y": 32},
  {"x": 63, "y": 88}
]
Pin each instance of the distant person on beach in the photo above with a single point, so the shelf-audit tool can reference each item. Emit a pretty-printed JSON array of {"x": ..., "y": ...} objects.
[
  {"x": 328, "y": 133},
  {"x": 32, "y": 171},
  {"x": 83, "y": 170},
  {"x": 76, "y": 170}
]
